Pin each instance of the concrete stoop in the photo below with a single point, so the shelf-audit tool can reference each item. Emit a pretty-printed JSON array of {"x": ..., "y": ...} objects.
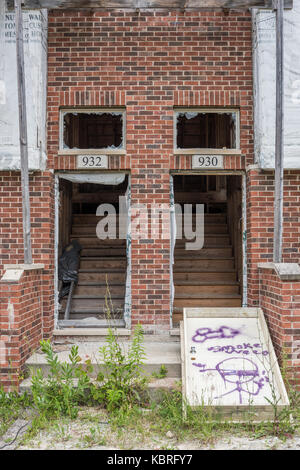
[{"x": 158, "y": 353}]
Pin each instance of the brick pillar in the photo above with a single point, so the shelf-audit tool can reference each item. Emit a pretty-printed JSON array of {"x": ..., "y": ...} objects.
[
  {"x": 279, "y": 297},
  {"x": 21, "y": 319},
  {"x": 150, "y": 255}
]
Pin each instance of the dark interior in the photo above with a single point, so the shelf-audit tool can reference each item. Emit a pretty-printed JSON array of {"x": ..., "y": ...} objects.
[
  {"x": 93, "y": 130},
  {"x": 206, "y": 130}
]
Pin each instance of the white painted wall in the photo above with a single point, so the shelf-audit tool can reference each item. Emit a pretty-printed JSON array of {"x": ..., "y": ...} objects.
[
  {"x": 35, "y": 50},
  {"x": 264, "y": 57}
]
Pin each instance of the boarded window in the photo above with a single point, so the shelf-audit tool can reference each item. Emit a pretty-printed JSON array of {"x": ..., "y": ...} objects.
[
  {"x": 95, "y": 130},
  {"x": 198, "y": 130}
]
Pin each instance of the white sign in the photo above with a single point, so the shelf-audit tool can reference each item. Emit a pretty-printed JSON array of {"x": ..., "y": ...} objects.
[
  {"x": 208, "y": 162},
  {"x": 92, "y": 161}
]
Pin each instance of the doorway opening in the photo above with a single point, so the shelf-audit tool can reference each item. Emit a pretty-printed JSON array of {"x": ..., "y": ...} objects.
[
  {"x": 213, "y": 275},
  {"x": 97, "y": 296}
]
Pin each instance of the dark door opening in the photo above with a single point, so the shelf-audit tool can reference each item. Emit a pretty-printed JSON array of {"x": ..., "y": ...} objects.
[
  {"x": 213, "y": 275},
  {"x": 99, "y": 295}
]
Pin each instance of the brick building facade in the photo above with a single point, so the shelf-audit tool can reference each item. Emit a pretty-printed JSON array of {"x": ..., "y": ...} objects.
[{"x": 150, "y": 64}]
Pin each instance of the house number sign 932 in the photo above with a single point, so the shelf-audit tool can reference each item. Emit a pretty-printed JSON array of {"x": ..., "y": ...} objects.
[
  {"x": 208, "y": 162},
  {"x": 92, "y": 161}
]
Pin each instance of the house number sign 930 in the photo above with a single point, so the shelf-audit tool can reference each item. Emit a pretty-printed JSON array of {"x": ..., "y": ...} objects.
[
  {"x": 92, "y": 161},
  {"x": 208, "y": 162}
]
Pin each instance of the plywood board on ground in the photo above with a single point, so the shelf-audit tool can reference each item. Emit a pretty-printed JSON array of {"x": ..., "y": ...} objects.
[{"x": 229, "y": 364}]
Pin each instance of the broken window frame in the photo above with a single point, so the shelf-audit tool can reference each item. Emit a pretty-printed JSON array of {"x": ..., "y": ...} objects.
[
  {"x": 209, "y": 150},
  {"x": 91, "y": 110}
]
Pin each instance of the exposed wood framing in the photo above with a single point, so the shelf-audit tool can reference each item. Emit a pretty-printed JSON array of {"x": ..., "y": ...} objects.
[
  {"x": 146, "y": 4},
  {"x": 23, "y": 134}
]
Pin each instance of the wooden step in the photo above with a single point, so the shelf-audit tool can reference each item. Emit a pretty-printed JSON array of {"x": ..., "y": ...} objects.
[
  {"x": 84, "y": 230},
  {"x": 228, "y": 275},
  {"x": 88, "y": 230},
  {"x": 92, "y": 219},
  {"x": 207, "y": 300},
  {"x": 93, "y": 275},
  {"x": 103, "y": 263},
  {"x": 220, "y": 252},
  {"x": 84, "y": 304},
  {"x": 212, "y": 264},
  {"x": 194, "y": 290},
  {"x": 100, "y": 289},
  {"x": 91, "y": 241},
  {"x": 100, "y": 252},
  {"x": 209, "y": 240}
]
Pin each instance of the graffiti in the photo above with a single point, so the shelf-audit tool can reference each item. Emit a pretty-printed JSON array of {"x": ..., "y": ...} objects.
[
  {"x": 238, "y": 371},
  {"x": 245, "y": 348},
  {"x": 203, "y": 334}
]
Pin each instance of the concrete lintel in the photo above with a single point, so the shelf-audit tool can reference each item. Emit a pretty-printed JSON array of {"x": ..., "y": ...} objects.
[{"x": 285, "y": 271}]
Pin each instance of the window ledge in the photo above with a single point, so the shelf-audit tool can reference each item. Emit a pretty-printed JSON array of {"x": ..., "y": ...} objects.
[
  {"x": 91, "y": 152},
  {"x": 207, "y": 152}
]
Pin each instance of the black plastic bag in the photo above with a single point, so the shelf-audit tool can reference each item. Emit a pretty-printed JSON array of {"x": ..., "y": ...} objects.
[{"x": 68, "y": 266}]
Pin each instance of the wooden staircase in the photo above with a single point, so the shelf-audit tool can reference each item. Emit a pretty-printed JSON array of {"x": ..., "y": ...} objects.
[
  {"x": 101, "y": 277},
  {"x": 206, "y": 277}
]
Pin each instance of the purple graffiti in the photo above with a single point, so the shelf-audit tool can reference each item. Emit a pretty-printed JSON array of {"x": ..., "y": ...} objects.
[
  {"x": 204, "y": 334},
  {"x": 244, "y": 348},
  {"x": 247, "y": 372}
]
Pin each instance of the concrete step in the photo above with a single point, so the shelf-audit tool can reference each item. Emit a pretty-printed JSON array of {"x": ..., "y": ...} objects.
[{"x": 158, "y": 353}]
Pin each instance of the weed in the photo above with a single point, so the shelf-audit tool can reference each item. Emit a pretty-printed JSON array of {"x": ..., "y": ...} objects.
[
  {"x": 12, "y": 405},
  {"x": 163, "y": 371},
  {"x": 121, "y": 383},
  {"x": 63, "y": 389},
  {"x": 94, "y": 438}
]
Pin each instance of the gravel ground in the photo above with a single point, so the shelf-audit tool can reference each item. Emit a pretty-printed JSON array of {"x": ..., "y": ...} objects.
[{"x": 91, "y": 430}]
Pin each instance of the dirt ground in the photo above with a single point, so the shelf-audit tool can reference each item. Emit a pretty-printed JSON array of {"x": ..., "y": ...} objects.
[{"x": 92, "y": 430}]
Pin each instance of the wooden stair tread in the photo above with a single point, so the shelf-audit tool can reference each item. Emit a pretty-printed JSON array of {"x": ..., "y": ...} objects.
[
  {"x": 94, "y": 296},
  {"x": 103, "y": 258},
  {"x": 198, "y": 269},
  {"x": 207, "y": 295},
  {"x": 100, "y": 284},
  {"x": 178, "y": 283},
  {"x": 96, "y": 270}
]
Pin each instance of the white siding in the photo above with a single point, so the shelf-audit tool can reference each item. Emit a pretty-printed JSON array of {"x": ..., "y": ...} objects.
[
  {"x": 35, "y": 49},
  {"x": 264, "y": 57}
]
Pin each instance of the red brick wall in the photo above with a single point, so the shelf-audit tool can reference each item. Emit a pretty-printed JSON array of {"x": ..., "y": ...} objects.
[
  {"x": 260, "y": 207},
  {"x": 21, "y": 324},
  {"x": 149, "y": 62},
  {"x": 280, "y": 301},
  {"x": 42, "y": 227}
]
